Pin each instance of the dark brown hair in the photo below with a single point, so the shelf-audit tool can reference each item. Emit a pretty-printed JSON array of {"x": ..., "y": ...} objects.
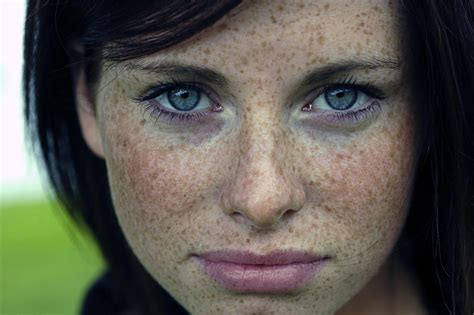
[{"x": 439, "y": 56}]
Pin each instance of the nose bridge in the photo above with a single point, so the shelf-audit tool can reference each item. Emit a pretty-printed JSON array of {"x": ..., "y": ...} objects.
[{"x": 262, "y": 190}]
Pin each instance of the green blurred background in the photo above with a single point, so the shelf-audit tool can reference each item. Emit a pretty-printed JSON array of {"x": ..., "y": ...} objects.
[{"x": 46, "y": 265}]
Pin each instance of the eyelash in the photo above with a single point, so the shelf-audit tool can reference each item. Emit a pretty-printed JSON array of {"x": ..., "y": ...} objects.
[{"x": 350, "y": 115}]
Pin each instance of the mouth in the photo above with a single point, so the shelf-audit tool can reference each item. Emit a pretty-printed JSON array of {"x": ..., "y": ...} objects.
[{"x": 247, "y": 272}]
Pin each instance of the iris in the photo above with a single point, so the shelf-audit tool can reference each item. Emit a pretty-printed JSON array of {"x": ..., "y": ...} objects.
[
  {"x": 341, "y": 98},
  {"x": 184, "y": 98}
]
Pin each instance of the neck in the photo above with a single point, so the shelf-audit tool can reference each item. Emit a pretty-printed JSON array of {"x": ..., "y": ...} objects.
[{"x": 393, "y": 291}]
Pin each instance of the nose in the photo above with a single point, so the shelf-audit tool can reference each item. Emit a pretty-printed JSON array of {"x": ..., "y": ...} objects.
[{"x": 262, "y": 190}]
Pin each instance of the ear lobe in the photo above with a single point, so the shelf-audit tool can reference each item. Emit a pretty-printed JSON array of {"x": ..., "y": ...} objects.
[{"x": 86, "y": 112}]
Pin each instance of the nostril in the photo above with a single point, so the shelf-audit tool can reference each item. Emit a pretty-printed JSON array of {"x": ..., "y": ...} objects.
[
  {"x": 238, "y": 217},
  {"x": 288, "y": 213}
]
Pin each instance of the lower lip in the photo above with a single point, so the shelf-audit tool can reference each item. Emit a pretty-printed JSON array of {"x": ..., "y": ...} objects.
[{"x": 261, "y": 278}]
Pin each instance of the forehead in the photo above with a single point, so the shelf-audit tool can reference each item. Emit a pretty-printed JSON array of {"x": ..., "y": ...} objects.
[{"x": 273, "y": 34}]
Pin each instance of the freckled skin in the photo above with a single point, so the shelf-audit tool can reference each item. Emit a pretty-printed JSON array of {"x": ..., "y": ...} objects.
[{"x": 259, "y": 176}]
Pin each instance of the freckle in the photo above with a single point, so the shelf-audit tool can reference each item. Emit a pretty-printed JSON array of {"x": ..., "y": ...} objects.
[
  {"x": 248, "y": 240},
  {"x": 224, "y": 26},
  {"x": 205, "y": 61},
  {"x": 244, "y": 60},
  {"x": 280, "y": 7},
  {"x": 326, "y": 6},
  {"x": 327, "y": 208},
  {"x": 207, "y": 51},
  {"x": 142, "y": 122},
  {"x": 340, "y": 156},
  {"x": 290, "y": 230},
  {"x": 274, "y": 20},
  {"x": 376, "y": 8},
  {"x": 321, "y": 39}
]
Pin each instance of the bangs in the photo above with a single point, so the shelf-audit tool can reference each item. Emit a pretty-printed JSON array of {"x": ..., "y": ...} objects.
[{"x": 123, "y": 30}]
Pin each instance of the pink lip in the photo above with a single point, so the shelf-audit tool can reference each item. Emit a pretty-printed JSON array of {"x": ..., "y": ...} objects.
[{"x": 277, "y": 272}]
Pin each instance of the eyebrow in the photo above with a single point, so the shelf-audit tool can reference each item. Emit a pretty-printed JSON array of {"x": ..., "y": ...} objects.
[
  {"x": 332, "y": 69},
  {"x": 176, "y": 69},
  {"x": 318, "y": 74}
]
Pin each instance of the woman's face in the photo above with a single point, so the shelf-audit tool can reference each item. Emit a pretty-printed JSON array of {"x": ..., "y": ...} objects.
[{"x": 279, "y": 162}]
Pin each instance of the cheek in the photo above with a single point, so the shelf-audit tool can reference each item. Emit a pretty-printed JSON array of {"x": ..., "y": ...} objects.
[
  {"x": 148, "y": 174},
  {"x": 155, "y": 175},
  {"x": 365, "y": 187},
  {"x": 158, "y": 182}
]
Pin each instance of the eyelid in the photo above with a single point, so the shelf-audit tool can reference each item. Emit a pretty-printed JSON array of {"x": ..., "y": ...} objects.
[{"x": 367, "y": 88}]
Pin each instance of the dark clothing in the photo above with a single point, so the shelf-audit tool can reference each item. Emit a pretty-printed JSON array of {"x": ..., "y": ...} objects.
[{"x": 102, "y": 299}]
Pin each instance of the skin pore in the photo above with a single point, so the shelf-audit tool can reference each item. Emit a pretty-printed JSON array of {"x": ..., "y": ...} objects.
[{"x": 261, "y": 172}]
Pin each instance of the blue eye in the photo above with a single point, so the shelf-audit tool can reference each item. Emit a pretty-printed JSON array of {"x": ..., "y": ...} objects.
[
  {"x": 185, "y": 102},
  {"x": 180, "y": 98},
  {"x": 184, "y": 98},
  {"x": 344, "y": 102},
  {"x": 341, "y": 98}
]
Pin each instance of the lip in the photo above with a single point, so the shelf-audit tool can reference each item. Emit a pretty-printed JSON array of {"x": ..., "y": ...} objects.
[{"x": 276, "y": 272}]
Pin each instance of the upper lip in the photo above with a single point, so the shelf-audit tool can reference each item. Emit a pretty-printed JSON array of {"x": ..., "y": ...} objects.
[{"x": 249, "y": 258}]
